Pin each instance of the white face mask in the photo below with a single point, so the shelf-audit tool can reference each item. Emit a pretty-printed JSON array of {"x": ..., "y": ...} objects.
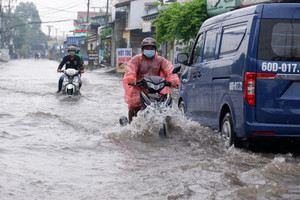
[
  {"x": 72, "y": 53},
  {"x": 149, "y": 53}
]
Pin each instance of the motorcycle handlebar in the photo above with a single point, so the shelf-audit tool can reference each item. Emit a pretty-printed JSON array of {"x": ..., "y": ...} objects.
[
  {"x": 63, "y": 71},
  {"x": 141, "y": 83},
  {"x": 168, "y": 83}
]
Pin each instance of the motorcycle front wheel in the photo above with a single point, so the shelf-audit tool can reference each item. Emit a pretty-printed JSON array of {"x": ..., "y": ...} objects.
[
  {"x": 163, "y": 131},
  {"x": 181, "y": 107}
]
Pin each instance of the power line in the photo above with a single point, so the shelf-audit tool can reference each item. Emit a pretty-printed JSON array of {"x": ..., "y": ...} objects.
[
  {"x": 40, "y": 22},
  {"x": 62, "y": 10}
]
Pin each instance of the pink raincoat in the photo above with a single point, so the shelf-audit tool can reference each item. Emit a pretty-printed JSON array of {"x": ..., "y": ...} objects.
[{"x": 138, "y": 68}]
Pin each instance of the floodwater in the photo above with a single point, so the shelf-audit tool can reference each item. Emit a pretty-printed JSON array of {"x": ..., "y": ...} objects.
[{"x": 54, "y": 147}]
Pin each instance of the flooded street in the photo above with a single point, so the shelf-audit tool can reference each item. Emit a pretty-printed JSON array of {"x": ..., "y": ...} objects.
[{"x": 54, "y": 147}]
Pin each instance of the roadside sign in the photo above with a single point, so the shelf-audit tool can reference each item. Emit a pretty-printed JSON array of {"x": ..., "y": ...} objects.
[
  {"x": 93, "y": 55},
  {"x": 123, "y": 56},
  {"x": 80, "y": 32}
]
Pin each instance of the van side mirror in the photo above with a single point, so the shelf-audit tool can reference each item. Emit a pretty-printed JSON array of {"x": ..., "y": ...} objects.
[{"x": 182, "y": 58}]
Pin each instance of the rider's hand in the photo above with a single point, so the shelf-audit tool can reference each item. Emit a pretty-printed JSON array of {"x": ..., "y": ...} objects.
[
  {"x": 174, "y": 84},
  {"x": 58, "y": 70},
  {"x": 132, "y": 82},
  {"x": 81, "y": 71}
]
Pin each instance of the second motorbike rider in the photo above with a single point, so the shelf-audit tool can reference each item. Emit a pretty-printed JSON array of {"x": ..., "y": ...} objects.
[
  {"x": 71, "y": 61},
  {"x": 146, "y": 64}
]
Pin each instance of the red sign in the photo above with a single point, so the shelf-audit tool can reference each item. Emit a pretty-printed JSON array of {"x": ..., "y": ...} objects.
[{"x": 80, "y": 32}]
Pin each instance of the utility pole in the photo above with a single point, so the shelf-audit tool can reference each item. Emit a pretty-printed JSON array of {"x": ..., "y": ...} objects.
[
  {"x": 1, "y": 21},
  {"x": 49, "y": 29},
  {"x": 7, "y": 27},
  {"x": 88, "y": 11},
  {"x": 107, "y": 12},
  {"x": 87, "y": 21}
]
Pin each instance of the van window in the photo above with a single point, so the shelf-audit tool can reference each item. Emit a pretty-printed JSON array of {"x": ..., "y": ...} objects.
[
  {"x": 232, "y": 38},
  {"x": 210, "y": 45},
  {"x": 197, "y": 50},
  {"x": 279, "y": 40}
]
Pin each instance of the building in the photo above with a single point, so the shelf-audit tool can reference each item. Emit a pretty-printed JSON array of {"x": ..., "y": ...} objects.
[
  {"x": 127, "y": 31},
  {"x": 131, "y": 21}
]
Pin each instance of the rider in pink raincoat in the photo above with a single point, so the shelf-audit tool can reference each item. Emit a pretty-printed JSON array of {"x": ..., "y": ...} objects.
[{"x": 146, "y": 64}]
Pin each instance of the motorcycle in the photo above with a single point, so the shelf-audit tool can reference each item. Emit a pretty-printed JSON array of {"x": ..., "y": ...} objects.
[
  {"x": 70, "y": 85},
  {"x": 36, "y": 56},
  {"x": 153, "y": 101}
]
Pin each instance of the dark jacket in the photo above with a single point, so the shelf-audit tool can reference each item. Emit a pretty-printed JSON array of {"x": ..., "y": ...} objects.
[{"x": 75, "y": 63}]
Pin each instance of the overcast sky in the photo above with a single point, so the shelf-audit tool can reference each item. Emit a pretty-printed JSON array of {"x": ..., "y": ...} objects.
[{"x": 55, "y": 10}]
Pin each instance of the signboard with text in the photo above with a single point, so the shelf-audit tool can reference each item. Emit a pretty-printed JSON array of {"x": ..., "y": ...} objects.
[
  {"x": 4, "y": 55},
  {"x": 93, "y": 55},
  {"x": 146, "y": 27},
  {"x": 123, "y": 56},
  {"x": 80, "y": 32}
]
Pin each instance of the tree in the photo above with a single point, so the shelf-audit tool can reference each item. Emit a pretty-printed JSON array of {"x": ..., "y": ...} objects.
[
  {"x": 105, "y": 32},
  {"x": 28, "y": 12},
  {"x": 26, "y": 25},
  {"x": 179, "y": 21},
  {"x": 19, "y": 32}
]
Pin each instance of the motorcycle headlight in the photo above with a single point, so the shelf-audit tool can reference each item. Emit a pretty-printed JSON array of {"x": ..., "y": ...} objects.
[
  {"x": 155, "y": 87},
  {"x": 71, "y": 72}
]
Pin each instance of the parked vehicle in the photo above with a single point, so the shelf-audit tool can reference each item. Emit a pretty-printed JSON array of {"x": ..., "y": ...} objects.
[
  {"x": 243, "y": 74},
  {"x": 70, "y": 85}
]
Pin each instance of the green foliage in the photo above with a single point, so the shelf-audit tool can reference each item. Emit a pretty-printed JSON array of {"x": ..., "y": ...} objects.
[
  {"x": 25, "y": 51},
  {"x": 19, "y": 32},
  {"x": 187, "y": 49},
  {"x": 28, "y": 12},
  {"x": 25, "y": 27},
  {"x": 180, "y": 21},
  {"x": 106, "y": 58},
  {"x": 105, "y": 32}
]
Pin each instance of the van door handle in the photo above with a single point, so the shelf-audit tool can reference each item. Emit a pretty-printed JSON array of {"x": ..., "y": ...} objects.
[
  {"x": 199, "y": 74},
  {"x": 194, "y": 76}
]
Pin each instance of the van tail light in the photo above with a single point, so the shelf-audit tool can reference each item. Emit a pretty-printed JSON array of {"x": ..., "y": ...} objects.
[{"x": 249, "y": 87}]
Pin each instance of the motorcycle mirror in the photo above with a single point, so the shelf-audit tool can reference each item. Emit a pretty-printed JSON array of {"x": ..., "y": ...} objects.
[{"x": 176, "y": 69}]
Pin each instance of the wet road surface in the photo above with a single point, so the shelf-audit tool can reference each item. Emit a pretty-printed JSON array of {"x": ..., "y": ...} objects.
[{"x": 54, "y": 147}]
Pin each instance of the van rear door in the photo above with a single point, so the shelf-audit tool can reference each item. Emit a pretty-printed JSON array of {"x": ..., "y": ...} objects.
[{"x": 278, "y": 72}]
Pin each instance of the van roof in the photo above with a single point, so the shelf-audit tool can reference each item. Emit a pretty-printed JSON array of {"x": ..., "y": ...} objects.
[
  {"x": 273, "y": 10},
  {"x": 282, "y": 10}
]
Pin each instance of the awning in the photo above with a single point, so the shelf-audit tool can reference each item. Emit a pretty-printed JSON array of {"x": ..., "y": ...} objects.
[
  {"x": 108, "y": 25},
  {"x": 150, "y": 17},
  {"x": 107, "y": 37},
  {"x": 122, "y": 4}
]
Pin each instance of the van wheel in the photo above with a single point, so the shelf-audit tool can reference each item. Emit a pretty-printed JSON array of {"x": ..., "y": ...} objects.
[
  {"x": 227, "y": 132},
  {"x": 181, "y": 107}
]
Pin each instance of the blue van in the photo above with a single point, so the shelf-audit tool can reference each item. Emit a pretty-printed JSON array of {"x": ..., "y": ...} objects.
[{"x": 243, "y": 74}]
